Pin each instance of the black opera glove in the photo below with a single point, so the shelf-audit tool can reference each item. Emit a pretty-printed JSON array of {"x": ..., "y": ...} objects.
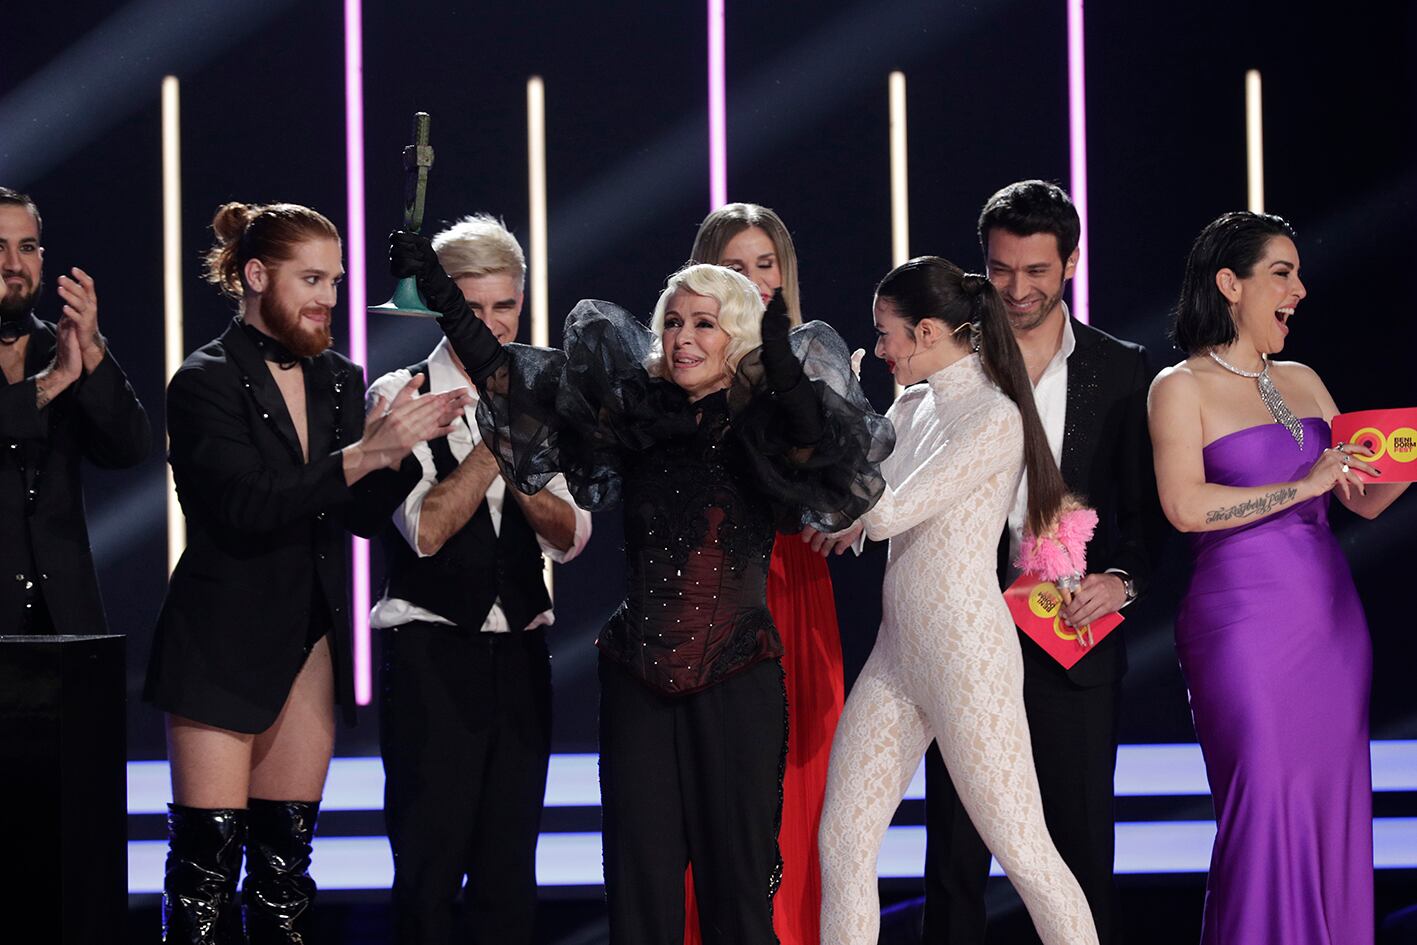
[
  {"x": 411, "y": 254},
  {"x": 794, "y": 393},
  {"x": 779, "y": 363}
]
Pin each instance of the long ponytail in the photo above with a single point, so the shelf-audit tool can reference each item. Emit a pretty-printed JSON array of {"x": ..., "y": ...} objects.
[
  {"x": 1003, "y": 361},
  {"x": 932, "y": 287}
]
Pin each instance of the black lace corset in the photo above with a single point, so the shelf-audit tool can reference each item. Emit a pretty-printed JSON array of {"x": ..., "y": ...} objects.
[{"x": 698, "y": 536}]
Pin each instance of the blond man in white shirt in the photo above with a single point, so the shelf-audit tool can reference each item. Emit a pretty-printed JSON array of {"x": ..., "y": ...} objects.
[{"x": 466, "y": 702}]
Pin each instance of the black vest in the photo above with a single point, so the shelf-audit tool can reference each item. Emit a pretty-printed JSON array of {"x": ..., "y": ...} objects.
[{"x": 477, "y": 566}]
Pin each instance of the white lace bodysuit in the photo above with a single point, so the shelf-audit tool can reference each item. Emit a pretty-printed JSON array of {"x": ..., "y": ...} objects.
[{"x": 946, "y": 665}]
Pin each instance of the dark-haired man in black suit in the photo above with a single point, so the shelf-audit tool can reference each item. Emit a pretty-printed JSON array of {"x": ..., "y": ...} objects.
[
  {"x": 1090, "y": 389},
  {"x": 64, "y": 398}
]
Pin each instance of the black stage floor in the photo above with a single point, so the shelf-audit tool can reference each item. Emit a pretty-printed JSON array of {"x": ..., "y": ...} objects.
[{"x": 1156, "y": 910}]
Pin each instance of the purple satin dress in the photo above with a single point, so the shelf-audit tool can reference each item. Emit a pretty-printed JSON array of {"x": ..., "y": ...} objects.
[{"x": 1278, "y": 660}]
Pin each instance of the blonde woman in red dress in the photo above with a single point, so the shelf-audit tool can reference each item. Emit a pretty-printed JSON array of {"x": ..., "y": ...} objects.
[{"x": 753, "y": 240}]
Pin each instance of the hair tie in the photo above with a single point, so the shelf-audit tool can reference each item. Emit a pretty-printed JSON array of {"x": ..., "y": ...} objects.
[{"x": 243, "y": 240}]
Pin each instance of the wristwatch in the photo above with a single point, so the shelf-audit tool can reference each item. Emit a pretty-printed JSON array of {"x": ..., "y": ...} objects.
[{"x": 1129, "y": 587}]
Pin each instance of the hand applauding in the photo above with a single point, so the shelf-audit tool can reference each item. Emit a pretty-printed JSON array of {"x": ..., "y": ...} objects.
[{"x": 393, "y": 428}]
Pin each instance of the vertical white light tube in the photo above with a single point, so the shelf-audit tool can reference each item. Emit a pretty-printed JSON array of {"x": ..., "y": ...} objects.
[
  {"x": 1077, "y": 154},
  {"x": 900, "y": 193},
  {"x": 173, "y": 344},
  {"x": 536, "y": 204},
  {"x": 900, "y": 183},
  {"x": 1254, "y": 141}
]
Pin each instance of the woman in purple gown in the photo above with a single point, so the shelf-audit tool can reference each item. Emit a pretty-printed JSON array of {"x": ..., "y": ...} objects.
[{"x": 1271, "y": 635}]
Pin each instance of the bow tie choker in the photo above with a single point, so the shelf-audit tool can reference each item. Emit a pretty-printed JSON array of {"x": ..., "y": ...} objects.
[
  {"x": 1278, "y": 409},
  {"x": 271, "y": 349},
  {"x": 13, "y": 331}
]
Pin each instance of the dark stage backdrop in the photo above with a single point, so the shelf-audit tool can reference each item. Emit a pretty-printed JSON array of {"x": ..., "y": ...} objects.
[{"x": 262, "y": 105}]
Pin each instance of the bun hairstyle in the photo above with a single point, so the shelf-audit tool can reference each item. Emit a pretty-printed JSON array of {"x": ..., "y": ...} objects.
[
  {"x": 268, "y": 232},
  {"x": 931, "y": 287},
  {"x": 973, "y": 284},
  {"x": 720, "y": 226}
]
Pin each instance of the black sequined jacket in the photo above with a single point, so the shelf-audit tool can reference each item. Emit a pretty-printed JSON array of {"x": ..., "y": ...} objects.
[{"x": 44, "y": 538}]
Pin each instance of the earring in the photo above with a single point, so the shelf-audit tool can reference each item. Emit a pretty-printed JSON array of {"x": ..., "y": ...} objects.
[{"x": 974, "y": 334}]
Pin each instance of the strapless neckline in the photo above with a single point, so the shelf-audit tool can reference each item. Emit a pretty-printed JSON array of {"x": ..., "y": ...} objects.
[
  {"x": 1262, "y": 426},
  {"x": 1277, "y": 661}
]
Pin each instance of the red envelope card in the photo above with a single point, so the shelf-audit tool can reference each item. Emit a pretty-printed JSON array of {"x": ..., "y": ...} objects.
[
  {"x": 1390, "y": 438},
  {"x": 1035, "y": 603}
]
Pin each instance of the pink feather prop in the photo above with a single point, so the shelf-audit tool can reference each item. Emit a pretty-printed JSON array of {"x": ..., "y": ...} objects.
[{"x": 1061, "y": 552}]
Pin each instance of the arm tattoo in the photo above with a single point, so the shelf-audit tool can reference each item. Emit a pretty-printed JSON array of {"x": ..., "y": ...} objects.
[{"x": 1252, "y": 508}]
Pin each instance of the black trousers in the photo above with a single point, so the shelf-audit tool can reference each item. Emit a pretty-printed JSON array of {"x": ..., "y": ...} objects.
[
  {"x": 698, "y": 779},
  {"x": 466, "y": 736},
  {"x": 1074, "y": 733}
]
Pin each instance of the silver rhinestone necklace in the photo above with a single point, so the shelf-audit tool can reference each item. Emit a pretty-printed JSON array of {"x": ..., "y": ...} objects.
[{"x": 1278, "y": 409}]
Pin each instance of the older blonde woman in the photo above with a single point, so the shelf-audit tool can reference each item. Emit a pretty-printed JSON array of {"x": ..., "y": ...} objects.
[
  {"x": 752, "y": 239},
  {"x": 712, "y": 429}
]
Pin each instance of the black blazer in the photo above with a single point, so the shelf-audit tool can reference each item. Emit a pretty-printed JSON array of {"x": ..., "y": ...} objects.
[
  {"x": 1107, "y": 463},
  {"x": 98, "y": 417},
  {"x": 266, "y": 538}
]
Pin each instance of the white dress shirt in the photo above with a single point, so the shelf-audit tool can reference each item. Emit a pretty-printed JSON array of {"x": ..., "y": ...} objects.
[{"x": 444, "y": 375}]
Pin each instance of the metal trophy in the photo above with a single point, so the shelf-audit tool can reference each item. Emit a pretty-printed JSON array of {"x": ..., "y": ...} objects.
[{"x": 417, "y": 158}]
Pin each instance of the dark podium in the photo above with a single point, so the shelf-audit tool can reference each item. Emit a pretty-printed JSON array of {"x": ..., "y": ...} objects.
[{"x": 63, "y": 785}]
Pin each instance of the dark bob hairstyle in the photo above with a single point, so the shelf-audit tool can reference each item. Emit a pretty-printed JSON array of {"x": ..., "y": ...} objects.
[{"x": 1233, "y": 241}]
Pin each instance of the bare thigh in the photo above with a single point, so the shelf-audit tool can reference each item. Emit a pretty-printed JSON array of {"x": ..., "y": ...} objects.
[
  {"x": 217, "y": 768},
  {"x": 211, "y": 767},
  {"x": 290, "y": 759}
]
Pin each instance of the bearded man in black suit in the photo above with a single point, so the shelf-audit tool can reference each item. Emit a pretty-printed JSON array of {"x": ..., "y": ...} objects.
[
  {"x": 1090, "y": 389},
  {"x": 64, "y": 398},
  {"x": 275, "y": 461}
]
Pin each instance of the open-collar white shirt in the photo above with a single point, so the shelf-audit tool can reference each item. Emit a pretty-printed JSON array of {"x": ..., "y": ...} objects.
[{"x": 443, "y": 375}]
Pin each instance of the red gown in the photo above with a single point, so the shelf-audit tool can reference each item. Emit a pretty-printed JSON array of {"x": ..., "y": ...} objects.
[{"x": 800, "y": 599}]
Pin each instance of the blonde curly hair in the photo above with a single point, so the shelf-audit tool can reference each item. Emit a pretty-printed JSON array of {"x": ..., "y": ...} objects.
[{"x": 740, "y": 311}]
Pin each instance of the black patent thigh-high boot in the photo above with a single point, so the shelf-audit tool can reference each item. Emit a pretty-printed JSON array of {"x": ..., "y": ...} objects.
[
  {"x": 278, "y": 893},
  {"x": 199, "y": 883}
]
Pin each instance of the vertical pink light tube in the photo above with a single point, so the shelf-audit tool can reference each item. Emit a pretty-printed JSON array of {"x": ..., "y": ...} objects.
[
  {"x": 1077, "y": 151},
  {"x": 358, "y": 304},
  {"x": 718, "y": 110}
]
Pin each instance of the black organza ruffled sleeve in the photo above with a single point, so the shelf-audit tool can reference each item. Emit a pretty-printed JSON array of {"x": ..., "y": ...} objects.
[
  {"x": 516, "y": 412},
  {"x": 835, "y": 481},
  {"x": 579, "y": 411}
]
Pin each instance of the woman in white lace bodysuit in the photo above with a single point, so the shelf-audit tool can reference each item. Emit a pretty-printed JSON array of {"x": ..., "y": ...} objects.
[{"x": 946, "y": 665}]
